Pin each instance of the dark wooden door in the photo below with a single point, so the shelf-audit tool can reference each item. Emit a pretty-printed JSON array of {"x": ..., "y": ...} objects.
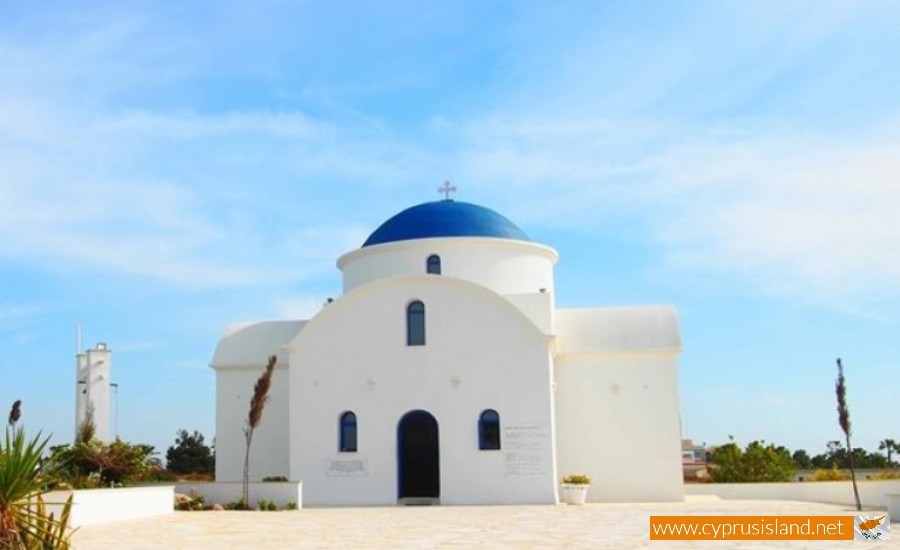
[{"x": 418, "y": 456}]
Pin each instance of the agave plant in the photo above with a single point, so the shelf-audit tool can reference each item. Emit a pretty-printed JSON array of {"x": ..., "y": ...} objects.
[{"x": 25, "y": 522}]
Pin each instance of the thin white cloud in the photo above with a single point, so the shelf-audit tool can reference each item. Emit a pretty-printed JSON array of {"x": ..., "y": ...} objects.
[
  {"x": 68, "y": 194},
  {"x": 796, "y": 214},
  {"x": 143, "y": 230},
  {"x": 189, "y": 125},
  {"x": 138, "y": 346},
  {"x": 13, "y": 316},
  {"x": 20, "y": 323},
  {"x": 149, "y": 229},
  {"x": 801, "y": 214},
  {"x": 186, "y": 364},
  {"x": 25, "y": 338},
  {"x": 168, "y": 193}
]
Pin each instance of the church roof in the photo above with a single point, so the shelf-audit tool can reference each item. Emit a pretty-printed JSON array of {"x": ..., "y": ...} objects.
[
  {"x": 446, "y": 218},
  {"x": 249, "y": 344},
  {"x": 631, "y": 328}
]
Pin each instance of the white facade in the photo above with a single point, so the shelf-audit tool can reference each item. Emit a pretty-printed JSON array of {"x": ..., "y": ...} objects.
[
  {"x": 576, "y": 391},
  {"x": 92, "y": 395}
]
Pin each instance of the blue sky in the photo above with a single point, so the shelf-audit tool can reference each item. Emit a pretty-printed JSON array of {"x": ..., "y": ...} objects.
[{"x": 167, "y": 169}]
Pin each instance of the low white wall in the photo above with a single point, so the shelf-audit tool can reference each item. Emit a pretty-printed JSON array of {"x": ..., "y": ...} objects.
[
  {"x": 90, "y": 506},
  {"x": 872, "y": 494},
  {"x": 279, "y": 492}
]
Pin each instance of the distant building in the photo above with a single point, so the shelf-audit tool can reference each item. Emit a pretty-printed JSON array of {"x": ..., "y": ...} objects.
[
  {"x": 445, "y": 373},
  {"x": 694, "y": 461},
  {"x": 92, "y": 389}
]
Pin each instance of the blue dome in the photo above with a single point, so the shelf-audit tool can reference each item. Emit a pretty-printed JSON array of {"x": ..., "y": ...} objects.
[{"x": 445, "y": 218}]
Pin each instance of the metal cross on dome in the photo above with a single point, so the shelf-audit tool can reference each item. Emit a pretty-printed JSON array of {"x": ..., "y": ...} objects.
[{"x": 446, "y": 189}]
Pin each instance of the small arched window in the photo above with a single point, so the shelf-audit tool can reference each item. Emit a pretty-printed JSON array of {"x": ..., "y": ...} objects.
[
  {"x": 415, "y": 324},
  {"x": 347, "y": 443},
  {"x": 434, "y": 264},
  {"x": 489, "y": 430}
]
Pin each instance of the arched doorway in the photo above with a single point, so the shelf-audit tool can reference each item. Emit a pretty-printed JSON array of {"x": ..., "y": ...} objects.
[{"x": 418, "y": 458}]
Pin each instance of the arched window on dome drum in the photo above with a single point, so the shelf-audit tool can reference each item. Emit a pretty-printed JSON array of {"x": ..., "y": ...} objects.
[
  {"x": 489, "y": 430},
  {"x": 347, "y": 428},
  {"x": 415, "y": 324},
  {"x": 434, "y": 264}
]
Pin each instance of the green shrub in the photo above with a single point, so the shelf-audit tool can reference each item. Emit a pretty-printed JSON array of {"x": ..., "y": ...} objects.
[
  {"x": 758, "y": 463},
  {"x": 190, "y": 455},
  {"x": 275, "y": 478},
  {"x": 264, "y": 505},
  {"x": 92, "y": 464},
  {"x": 577, "y": 479},
  {"x": 830, "y": 475}
]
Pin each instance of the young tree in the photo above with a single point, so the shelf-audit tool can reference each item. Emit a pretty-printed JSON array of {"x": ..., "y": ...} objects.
[
  {"x": 190, "y": 455},
  {"x": 840, "y": 389},
  {"x": 821, "y": 461},
  {"x": 864, "y": 459},
  {"x": 92, "y": 464},
  {"x": 802, "y": 459},
  {"x": 889, "y": 446},
  {"x": 257, "y": 404},
  {"x": 727, "y": 460},
  {"x": 758, "y": 463},
  {"x": 87, "y": 429}
]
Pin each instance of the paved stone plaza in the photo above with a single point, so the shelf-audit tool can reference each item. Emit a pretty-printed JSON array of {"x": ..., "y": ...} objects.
[{"x": 589, "y": 526}]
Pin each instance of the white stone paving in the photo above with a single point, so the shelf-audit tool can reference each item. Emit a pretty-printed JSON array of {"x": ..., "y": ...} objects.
[{"x": 590, "y": 526}]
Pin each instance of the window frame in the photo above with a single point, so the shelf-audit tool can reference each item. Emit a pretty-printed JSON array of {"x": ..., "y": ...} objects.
[
  {"x": 433, "y": 265},
  {"x": 415, "y": 323},
  {"x": 486, "y": 426},
  {"x": 346, "y": 422}
]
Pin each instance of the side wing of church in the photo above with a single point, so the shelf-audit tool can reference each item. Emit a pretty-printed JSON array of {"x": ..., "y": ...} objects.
[{"x": 446, "y": 374}]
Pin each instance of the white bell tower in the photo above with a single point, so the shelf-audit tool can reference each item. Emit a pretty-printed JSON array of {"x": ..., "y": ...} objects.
[{"x": 92, "y": 388}]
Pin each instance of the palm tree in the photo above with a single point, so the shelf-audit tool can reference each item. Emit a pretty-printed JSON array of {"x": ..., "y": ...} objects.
[{"x": 890, "y": 446}]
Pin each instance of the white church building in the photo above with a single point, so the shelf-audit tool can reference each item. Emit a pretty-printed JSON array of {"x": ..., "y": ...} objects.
[{"x": 445, "y": 373}]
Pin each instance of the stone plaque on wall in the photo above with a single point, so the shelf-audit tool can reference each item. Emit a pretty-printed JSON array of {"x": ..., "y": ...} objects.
[
  {"x": 525, "y": 450},
  {"x": 346, "y": 467}
]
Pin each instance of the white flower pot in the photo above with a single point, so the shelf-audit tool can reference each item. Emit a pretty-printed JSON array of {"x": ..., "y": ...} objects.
[{"x": 574, "y": 494}]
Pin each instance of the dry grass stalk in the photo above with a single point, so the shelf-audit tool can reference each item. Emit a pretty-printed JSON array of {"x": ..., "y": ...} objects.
[
  {"x": 15, "y": 412},
  {"x": 257, "y": 404},
  {"x": 840, "y": 389}
]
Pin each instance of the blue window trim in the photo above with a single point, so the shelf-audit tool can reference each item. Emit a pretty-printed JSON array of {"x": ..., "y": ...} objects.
[
  {"x": 433, "y": 265},
  {"x": 415, "y": 323},
  {"x": 347, "y": 432},
  {"x": 489, "y": 430}
]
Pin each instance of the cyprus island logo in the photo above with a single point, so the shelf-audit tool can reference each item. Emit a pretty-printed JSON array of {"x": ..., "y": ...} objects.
[{"x": 872, "y": 528}]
